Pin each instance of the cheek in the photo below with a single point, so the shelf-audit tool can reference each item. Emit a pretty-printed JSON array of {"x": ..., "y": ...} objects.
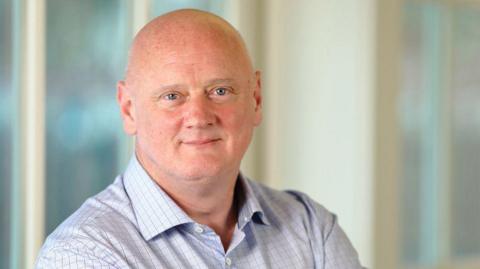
[
  {"x": 157, "y": 126},
  {"x": 239, "y": 122}
]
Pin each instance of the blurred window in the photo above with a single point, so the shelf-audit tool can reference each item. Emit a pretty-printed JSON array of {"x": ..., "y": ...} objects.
[
  {"x": 465, "y": 132},
  {"x": 439, "y": 109},
  {"x": 162, "y": 6},
  {"x": 86, "y": 50},
  {"x": 6, "y": 128}
]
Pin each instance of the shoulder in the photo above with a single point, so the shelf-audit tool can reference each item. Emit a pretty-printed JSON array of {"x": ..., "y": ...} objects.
[
  {"x": 90, "y": 233},
  {"x": 294, "y": 206},
  {"x": 295, "y": 212}
]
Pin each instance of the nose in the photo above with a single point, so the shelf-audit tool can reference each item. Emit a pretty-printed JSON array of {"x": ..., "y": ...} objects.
[{"x": 199, "y": 112}]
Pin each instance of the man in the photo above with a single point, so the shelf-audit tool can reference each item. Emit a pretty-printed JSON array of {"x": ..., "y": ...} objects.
[{"x": 192, "y": 99}]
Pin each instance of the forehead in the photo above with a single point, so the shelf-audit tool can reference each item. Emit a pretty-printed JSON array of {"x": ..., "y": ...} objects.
[
  {"x": 177, "y": 50},
  {"x": 196, "y": 56},
  {"x": 197, "y": 61}
]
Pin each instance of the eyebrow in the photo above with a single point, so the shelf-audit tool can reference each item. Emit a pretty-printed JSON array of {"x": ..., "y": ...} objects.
[
  {"x": 170, "y": 87},
  {"x": 209, "y": 83},
  {"x": 220, "y": 81}
]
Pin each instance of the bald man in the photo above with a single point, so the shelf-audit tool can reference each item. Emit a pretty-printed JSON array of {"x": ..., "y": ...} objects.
[{"x": 192, "y": 99}]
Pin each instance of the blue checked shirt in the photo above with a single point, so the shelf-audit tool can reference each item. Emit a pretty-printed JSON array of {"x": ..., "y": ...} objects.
[{"x": 133, "y": 223}]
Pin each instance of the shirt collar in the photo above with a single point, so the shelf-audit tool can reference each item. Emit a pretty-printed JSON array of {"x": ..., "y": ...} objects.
[
  {"x": 156, "y": 212},
  {"x": 249, "y": 206}
]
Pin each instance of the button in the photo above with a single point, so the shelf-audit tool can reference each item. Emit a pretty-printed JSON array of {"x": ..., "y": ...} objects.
[
  {"x": 198, "y": 229},
  {"x": 245, "y": 219},
  {"x": 228, "y": 261}
]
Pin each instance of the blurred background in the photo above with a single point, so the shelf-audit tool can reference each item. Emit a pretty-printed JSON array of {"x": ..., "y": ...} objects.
[{"x": 371, "y": 107}]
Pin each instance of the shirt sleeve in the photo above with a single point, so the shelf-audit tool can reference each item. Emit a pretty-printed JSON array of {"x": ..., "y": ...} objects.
[
  {"x": 65, "y": 255},
  {"x": 331, "y": 246},
  {"x": 339, "y": 251}
]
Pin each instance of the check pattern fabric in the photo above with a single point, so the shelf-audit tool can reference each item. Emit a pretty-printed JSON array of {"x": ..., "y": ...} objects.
[{"x": 133, "y": 223}]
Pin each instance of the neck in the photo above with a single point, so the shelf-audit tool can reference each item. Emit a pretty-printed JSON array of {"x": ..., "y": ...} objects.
[
  {"x": 208, "y": 201},
  {"x": 217, "y": 208}
]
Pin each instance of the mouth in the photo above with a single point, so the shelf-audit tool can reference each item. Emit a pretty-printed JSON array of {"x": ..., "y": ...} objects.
[{"x": 201, "y": 142}]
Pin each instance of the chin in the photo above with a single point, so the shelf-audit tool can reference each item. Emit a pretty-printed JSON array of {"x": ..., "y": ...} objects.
[{"x": 200, "y": 170}]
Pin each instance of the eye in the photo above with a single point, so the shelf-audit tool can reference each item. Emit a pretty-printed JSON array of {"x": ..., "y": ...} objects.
[
  {"x": 171, "y": 96},
  {"x": 222, "y": 94},
  {"x": 221, "y": 91}
]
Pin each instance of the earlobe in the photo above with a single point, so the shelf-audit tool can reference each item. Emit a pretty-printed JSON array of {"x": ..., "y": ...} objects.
[{"x": 127, "y": 109}]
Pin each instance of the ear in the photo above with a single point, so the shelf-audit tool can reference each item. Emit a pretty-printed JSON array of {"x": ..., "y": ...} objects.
[
  {"x": 127, "y": 108},
  {"x": 257, "y": 95}
]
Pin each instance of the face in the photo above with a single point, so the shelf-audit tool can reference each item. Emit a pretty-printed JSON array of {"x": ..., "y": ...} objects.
[{"x": 193, "y": 109}]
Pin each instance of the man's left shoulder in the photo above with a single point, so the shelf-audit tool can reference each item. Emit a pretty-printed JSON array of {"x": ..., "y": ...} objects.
[
  {"x": 294, "y": 212},
  {"x": 292, "y": 204}
]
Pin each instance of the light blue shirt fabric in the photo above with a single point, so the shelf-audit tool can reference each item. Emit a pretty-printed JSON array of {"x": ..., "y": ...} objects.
[{"x": 133, "y": 223}]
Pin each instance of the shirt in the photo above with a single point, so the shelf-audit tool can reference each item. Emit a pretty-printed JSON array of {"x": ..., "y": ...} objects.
[{"x": 133, "y": 223}]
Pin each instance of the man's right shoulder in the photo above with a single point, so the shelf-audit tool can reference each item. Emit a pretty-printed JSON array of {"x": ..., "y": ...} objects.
[{"x": 90, "y": 234}]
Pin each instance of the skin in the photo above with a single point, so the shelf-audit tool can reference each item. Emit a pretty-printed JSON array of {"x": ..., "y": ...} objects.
[{"x": 192, "y": 99}]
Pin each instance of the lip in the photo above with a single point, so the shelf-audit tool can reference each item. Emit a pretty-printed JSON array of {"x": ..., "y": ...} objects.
[{"x": 200, "y": 142}]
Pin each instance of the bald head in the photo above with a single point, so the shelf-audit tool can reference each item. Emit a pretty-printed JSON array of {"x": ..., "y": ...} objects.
[
  {"x": 191, "y": 97},
  {"x": 174, "y": 35}
]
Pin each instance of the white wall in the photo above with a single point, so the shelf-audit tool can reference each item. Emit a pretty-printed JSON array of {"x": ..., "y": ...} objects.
[{"x": 318, "y": 126}]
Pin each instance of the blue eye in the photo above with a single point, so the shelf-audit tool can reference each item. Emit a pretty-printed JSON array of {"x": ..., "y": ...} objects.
[
  {"x": 171, "y": 99},
  {"x": 171, "y": 96},
  {"x": 221, "y": 91}
]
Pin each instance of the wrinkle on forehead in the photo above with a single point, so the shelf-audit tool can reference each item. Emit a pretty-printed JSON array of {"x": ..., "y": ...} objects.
[{"x": 173, "y": 36}]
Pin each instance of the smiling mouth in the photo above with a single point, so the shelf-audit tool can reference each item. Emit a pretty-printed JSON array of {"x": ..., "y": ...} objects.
[{"x": 201, "y": 142}]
